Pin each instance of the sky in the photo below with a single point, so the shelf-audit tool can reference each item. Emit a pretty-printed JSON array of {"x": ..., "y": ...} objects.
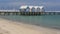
[{"x": 49, "y": 5}]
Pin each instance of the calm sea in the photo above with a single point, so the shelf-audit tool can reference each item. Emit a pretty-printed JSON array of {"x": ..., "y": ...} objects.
[{"x": 46, "y": 21}]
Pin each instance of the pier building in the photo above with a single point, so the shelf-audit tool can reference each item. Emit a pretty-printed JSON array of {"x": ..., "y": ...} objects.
[{"x": 31, "y": 8}]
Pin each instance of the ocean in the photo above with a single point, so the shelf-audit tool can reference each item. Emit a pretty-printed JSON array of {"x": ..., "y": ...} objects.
[{"x": 51, "y": 21}]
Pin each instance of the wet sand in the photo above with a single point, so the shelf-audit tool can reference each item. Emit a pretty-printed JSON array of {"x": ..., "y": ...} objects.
[{"x": 13, "y": 27}]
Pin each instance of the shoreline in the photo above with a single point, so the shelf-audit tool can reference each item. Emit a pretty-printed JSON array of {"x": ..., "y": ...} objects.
[
  {"x": 13, "y": 27},
  {"x": 23, "y": 23}
]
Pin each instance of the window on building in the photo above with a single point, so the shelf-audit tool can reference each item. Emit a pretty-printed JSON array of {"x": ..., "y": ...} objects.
[
  {"x": 38, "y": 9},
  {"x": 27, "y": 9},
  {"x": 33, "y": 9}
]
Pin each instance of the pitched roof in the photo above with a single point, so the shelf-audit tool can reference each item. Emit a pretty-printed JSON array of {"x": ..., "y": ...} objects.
[{"x": 24, "y": 7}]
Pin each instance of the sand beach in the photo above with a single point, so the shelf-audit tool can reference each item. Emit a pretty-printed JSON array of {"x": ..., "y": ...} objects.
[{"x": 13, "y": 27}]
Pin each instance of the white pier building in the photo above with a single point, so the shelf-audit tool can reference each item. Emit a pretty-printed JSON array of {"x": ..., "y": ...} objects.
[{"x": 32, "y": 8}]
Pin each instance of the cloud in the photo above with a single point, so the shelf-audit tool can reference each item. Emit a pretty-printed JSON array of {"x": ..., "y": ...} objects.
[{"x": 51, "y": 4}]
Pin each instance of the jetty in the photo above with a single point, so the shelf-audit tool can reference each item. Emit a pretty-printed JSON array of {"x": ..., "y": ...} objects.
[
  {"x": 29, "y": 11},
  {"x": 4, "y": 12}
]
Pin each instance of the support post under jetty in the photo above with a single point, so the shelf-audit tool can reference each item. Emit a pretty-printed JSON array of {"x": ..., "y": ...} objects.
[
  {"x": 30, "y": 13},
  {"x": 39, "y": 13}
]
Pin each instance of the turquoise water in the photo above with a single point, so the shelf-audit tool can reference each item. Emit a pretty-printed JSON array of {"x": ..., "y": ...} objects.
[{"x": 48, "y": 21}]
